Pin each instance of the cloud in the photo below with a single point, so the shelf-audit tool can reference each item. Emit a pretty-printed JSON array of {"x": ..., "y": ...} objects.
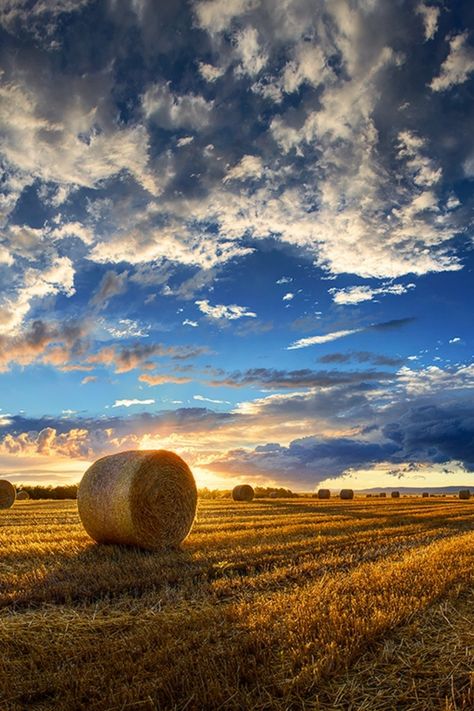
[
  {"x": 361, "y": 357},
  {"x": 152, "y": 379},
  {"x": 455, "y": 340},
  {"x": 188, "y": 322},
  {"x": 171, "y": 111},
  {"x": 216, "y": 15},
  {"x": 358, "y": 294},
  {"x": 273, "y": 379},
  {"x": 253, "y": 57},
  {"x": 289, "y": 296},
  {"x": 326, "y": 338},
  {"x": 201, "y": 398},
  {"x": 130, "y": 403},
  {"x": 89, "y": 379},
  {"x": 220, "y": 311},
  {"x": 249, "y": 166},
  {"x": 430, "y": 16},
  {"x": 111, "y": 284},
  {"x": 458, "y": 65},
  {"x": 209, "y": 72}
]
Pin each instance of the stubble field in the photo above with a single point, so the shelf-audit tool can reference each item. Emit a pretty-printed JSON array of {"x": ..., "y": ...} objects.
[{"x": 277, "y": 604}]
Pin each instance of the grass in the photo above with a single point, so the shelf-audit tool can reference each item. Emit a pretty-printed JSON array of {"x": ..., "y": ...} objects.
[{"x": 276, "y": 604}]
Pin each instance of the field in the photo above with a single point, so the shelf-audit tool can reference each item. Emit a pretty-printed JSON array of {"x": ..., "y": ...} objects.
[{"x": 276, "y": 604}]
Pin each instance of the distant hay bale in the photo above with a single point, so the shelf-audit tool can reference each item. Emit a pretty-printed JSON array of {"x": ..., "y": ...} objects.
[
  {"x": 395, "y": 494},
  {"x": 141, "y": 498},
  {"x": 368, "y": 496},
  {"x": 346, "y": 494},
  {"x": 273, "y": 495},
  {"x": 7, "y": 494},
  {"x": 464, "y": 494},
  {"x": 383, "y": 495},
  {"x": 22, "y": 495},
  {"x": 324, "y": 494},
  {"x": 243, "y": 492},
  {"x": 425, "y": 495}
]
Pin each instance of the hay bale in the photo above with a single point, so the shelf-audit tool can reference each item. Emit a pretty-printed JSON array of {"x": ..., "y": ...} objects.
[
  {"x": 7, "y": 494},
  {"x": 141, "y": 498},
  {"x": 464, "y": 494},
  {"x": 273, "y": 495},
  {"x": 425, "y": 495},
  {"x": 395, "y": 494},
  {"x": 324, "y": 494},
  {"x": 243, "y": 492},
  {"x": 22, "y": 495},
  {"x": 383, "y": 495},
  {"x": 346, "y": 494}
]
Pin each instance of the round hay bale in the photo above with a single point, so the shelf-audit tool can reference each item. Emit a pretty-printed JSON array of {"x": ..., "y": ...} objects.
[
  {"x": 22, "y": 495},
  {"x": 243, "y": 492},
  {"x": 7, "y": 494},
  {"x": 324, "y": 494},
  {"x": 383, "y": 495},
  {"x": 464, "y": 494},
  {"x": 395, "y": 494},
  {"x": 140, "y": 498},
  {"x": 425, "y": 495},
  {"x": 346, "y": 494}
]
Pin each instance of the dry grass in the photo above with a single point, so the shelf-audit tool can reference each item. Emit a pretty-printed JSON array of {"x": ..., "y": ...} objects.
[{"x": 288, "y": 604}]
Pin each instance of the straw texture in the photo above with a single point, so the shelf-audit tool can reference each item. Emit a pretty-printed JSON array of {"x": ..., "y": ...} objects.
[
  {"x": 243, "y": 492},
  {"x": 7, "y": 494},
  {"x": 142, "y": 498}
]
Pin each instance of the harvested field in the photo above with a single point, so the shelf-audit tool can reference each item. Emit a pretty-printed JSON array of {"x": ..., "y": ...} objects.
[{"x": 277, "y": 604}]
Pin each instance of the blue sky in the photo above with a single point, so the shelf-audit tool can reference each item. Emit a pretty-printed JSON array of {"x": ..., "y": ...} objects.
[{"x": 242, "y": 230}]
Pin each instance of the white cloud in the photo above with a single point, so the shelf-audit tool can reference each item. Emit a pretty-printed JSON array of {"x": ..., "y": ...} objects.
[
  {"x": 284, "y": 280},
  {"x": 172, "y": 111},
  {"x": 457, "y": 66},
  {"x": 188, "y": 322},
  {"x": 252, "y": 57},
  {"x": 358, "y": 294},
  {"x": 128, "y": 328},
  {"x": 219, "y": 311},
  {"x": 248, "y": 167},
  {"x": 216, "y": 15},
  {"x": 57, "y": 278},
  {"x": 455, "y": 340},
  {"x": 430, "y": 15},
  {"x": 201, "y": 398},
  {"x": 129, "y": 403},
  {"x": 289, "y": 296},
  {"x": 316, "y": 340},
  {"x": 185, "y": 141},
  {"x": 209, "y": 72},
  {"x": 434, "y": 379}
]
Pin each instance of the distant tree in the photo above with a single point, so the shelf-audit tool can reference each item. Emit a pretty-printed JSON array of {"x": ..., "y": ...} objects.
[{"x": 39, "y": 491}]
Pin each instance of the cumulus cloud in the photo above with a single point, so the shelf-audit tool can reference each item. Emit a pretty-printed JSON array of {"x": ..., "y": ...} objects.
[
  {"x": 221, "y": 311},
  {"x": 430, "y": 16},
  {"x": 249, "y": 166}
]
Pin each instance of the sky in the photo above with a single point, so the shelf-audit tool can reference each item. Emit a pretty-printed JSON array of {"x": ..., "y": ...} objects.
[{"x": 241, "y": 230}]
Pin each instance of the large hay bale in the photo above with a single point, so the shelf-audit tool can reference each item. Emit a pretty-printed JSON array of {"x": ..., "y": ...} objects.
[
  {"x": 425, "y": 495},
  {"x": 464, "y": 494},
  {"x": 346, "y": 494},
  {"x": 324, "y": 494},
  {"x": 22, "y": 495},
  {"x": 142, "y": 498},
  {"x": 7, "y": 494},
  {"x": 243, "y": 492},
  {"x": 395, "y": 494}
]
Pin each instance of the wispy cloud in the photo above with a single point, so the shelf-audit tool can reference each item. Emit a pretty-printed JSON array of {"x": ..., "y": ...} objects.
[
  {"x": 132, "y": 402},
  {"x": 220, "y": 311}
]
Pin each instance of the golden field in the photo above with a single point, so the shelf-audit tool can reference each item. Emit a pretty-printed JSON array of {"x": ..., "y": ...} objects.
[{"x": 276, "y": 604}]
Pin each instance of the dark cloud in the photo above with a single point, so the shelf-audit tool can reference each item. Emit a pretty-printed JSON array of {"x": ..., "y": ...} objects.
[
  {"x": 304, "y": 378},
  {"x": 391, "y": 325},
  {"x": 361, "y": 357},
  {"x": 111, "y": 284}
]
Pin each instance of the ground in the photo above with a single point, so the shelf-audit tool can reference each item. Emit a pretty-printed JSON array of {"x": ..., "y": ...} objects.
[{"x": 275, "y": 604}]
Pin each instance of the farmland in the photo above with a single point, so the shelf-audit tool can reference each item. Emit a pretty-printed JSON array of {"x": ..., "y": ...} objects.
[{"x": 275, "y": 604}]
